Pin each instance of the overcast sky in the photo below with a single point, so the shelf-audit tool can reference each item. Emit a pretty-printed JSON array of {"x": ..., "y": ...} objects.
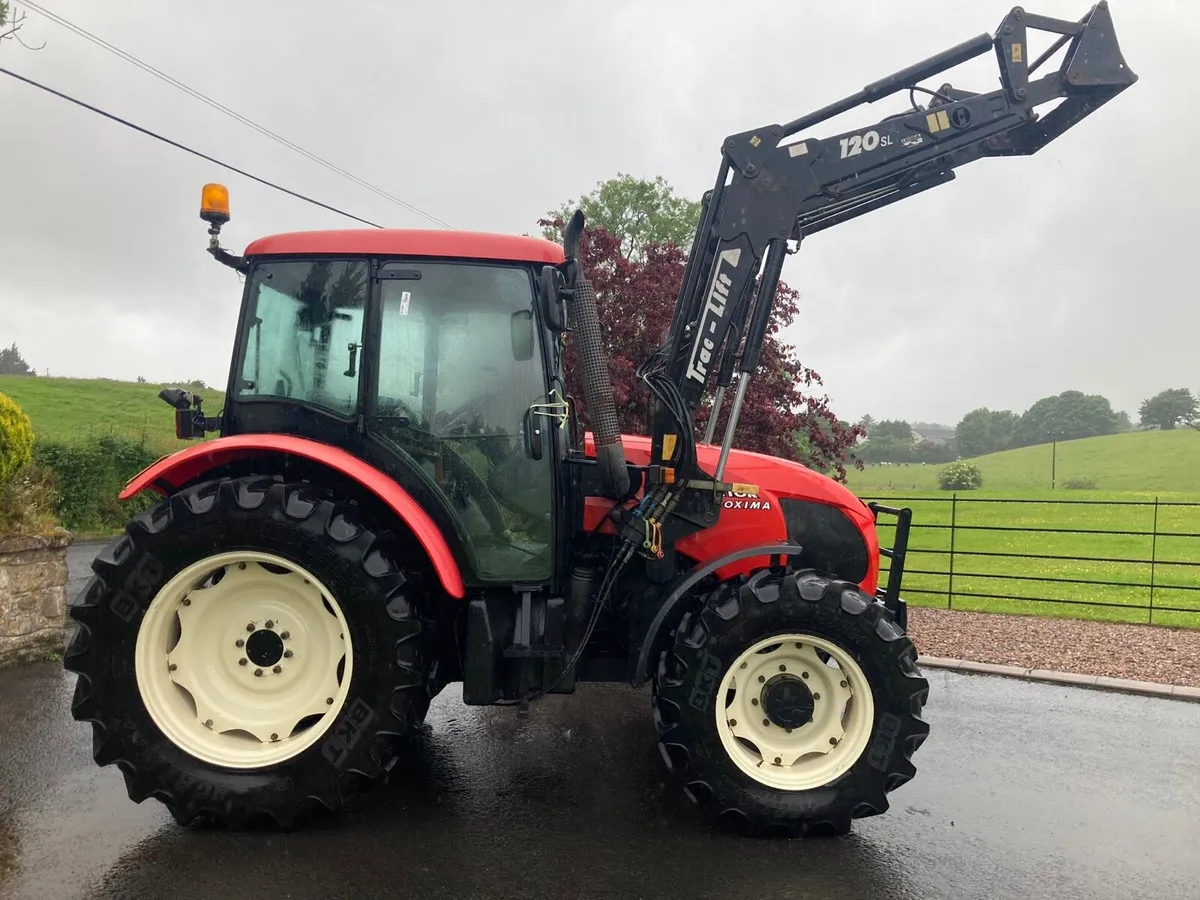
[{"x": 1024, "y": 277}]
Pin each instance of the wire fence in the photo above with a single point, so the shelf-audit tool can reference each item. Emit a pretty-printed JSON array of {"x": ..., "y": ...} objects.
[{"x": 1117, "y": 560}]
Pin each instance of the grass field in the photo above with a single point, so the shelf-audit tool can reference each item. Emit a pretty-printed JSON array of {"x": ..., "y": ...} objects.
[
  {"x": 988, "y": 562},
  {"x": 63, "y": 408},
  {"x": 1135, "y": 461},
  {"x": 1128, "y": 469}
]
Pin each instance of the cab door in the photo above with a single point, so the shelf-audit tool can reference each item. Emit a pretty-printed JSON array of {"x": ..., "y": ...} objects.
[{"x": 457, "y": 370}]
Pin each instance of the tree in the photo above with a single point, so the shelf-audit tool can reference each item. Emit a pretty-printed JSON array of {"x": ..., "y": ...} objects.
[
  {"x": 1066, "y": 416},
  {"x": 781, "y": 414},
  {"x": 1169, "y": 408},
  {"x": 889, "y": 441},
  {"x": 866, "y": 422},
  {"x": 637, "y": 211},
  {"x": 1124, "y": 423},
  {"x": 12, "y": 363},
  {"x": 896, "y": 430},
  {"x": 985, "y": 430},
  {"x": 12, "y": 21}
]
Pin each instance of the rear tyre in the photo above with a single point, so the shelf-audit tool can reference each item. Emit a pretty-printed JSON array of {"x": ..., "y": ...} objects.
[
  {"x": 790, "y": 704},
  {"x": 250, "y": 651}
]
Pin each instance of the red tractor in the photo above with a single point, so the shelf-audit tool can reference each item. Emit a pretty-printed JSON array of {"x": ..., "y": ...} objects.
[{"x": 402, "y": 497}]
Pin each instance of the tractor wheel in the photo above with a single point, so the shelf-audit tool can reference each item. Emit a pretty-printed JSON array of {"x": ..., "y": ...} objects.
[
  {"x": 250, "y": 651},
  {"x": 789, "y": 703}
]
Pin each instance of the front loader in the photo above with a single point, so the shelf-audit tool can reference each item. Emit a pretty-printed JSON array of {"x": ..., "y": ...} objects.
[{"x": 398, "y": 495}]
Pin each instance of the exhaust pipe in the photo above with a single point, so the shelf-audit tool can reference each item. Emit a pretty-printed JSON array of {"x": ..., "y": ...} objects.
[{"x": 597, "y": 386}]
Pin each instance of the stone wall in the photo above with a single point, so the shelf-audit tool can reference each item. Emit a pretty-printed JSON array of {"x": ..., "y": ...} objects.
[{"x": 33, "y": 597}]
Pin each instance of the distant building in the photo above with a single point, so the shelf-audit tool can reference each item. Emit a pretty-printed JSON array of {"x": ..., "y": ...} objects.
[{"x": 939, "y": 437}]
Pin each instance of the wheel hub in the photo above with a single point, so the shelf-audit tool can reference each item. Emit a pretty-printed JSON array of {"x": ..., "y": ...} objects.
[
  {"x": 264, "y": 647},
  {"x": 243, "y": 659},
  {"x": 794, "y": 711},
  {"x": 787, "y": 701}
]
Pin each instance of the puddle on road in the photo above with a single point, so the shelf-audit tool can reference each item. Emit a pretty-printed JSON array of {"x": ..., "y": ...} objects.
[{"x": 54, "y": 849}]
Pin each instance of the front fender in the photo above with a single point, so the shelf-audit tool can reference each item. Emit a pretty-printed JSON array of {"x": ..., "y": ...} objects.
[
  {"x": 172, "y": 471},
  {"x": 668, "y": 610}
]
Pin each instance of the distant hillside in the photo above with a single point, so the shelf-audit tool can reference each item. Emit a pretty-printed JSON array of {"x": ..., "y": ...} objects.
[
  {"x": 62, "y": 408},
  {"x": 1134, "y": 461}
]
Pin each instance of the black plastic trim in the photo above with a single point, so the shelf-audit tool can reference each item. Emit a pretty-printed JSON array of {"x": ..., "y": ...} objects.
[{"x": 650, "y": 638}]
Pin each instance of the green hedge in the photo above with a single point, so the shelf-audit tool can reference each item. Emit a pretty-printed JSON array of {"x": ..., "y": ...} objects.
[{"x": 90, "y": 472}]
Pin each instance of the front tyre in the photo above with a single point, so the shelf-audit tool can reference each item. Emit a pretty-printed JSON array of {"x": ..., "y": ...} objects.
[
  {"x": 789, "y": 703},
  {"x": 250, "y": 650}
]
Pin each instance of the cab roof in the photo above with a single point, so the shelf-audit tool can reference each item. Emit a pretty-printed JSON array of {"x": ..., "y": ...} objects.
[{"x": 409, "y": 242}]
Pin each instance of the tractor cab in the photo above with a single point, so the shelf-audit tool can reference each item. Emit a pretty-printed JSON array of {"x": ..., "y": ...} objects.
[{"x": 422, "y": 352}]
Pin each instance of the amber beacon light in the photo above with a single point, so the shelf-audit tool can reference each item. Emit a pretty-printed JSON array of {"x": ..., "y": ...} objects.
[{"x": 214, "y": 204}]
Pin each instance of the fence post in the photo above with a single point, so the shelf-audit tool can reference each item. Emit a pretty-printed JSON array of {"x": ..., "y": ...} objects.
[
  {"x": 953, "y": 531},
  {"x": 1153, "y": 557}
]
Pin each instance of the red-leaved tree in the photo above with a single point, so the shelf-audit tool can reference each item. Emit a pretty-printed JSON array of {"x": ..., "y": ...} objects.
[{"x": 782, "y": 414}]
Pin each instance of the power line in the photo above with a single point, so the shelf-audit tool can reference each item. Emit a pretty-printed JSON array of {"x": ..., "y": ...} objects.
[
  {"x": 220, "y": 107},
  {"x": 183, "y": 147}
]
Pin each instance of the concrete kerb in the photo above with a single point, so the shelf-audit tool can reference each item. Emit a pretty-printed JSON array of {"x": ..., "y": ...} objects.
[{"x": 1072, "y": 679}]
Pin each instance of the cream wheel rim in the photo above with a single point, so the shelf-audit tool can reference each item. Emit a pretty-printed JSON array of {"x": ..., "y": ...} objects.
[
  {"x": 794, "y": 711},
  {"x": 243, "y": 659}
]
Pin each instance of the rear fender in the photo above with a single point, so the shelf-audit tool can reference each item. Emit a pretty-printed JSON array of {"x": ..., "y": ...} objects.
[{"x": 171, "y": 472}]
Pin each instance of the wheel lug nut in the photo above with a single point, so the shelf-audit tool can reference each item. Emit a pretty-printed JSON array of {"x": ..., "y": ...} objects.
[
  {"x": 782, "y": 667},
  {"x": 778, "y": 760},
  {"x": 733, "y": 723},
  {"x": 243, "y": 661},
  {"x": 742, "y": 666},
  {"x": 285, "y": 635},
  {"x": 287, "y": 654},
  {"x": 250, "y": 627},
  {"x": 833, "y": 742},
  {"x": 767, "y": 722},
  {"x": 762, "y": 678},
  {"x": 843, "y": 684},
  {"x": 270, "y": 623},
  {"x": 187, "y": 601},
  {"x": 816, "y": 696},
  {"x": 803, "y": 674},
  {"x": 788, "y": 730},
  {"x": 329, "y": 701},
  {"x": 172, "y": 667},
  {"x": 277, "y": 669},
  {"x": 754, "y": 701},
  {"x": 239, "y": 643},
  {"x": 208, "y": 723},
  {"x": 258, "y": 673},
  {"x": 274, "y": 737}
]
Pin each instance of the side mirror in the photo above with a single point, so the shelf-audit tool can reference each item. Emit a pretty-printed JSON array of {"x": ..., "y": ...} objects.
[
  {"x": 521, "y": 332},
  {"x": 176, "y": 397},
  {"x": 551, "y": 285}
]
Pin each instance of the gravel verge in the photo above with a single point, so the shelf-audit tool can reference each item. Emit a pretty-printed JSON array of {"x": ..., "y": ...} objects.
[{"x": 1116, "y": 650}]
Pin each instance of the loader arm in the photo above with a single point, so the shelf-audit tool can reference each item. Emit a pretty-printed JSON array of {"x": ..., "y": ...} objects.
[
  {"x": 768, "y": 194},
  {"x": 787, "y": 192}
]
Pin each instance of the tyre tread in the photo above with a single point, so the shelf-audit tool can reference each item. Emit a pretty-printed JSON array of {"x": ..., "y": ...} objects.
[
  {"x": 321, "y": 516},
  {"x": 769, "y": 594}
]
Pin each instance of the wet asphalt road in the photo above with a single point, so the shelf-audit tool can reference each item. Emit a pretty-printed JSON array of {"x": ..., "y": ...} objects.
[{"x": 1023, "y": 791}]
